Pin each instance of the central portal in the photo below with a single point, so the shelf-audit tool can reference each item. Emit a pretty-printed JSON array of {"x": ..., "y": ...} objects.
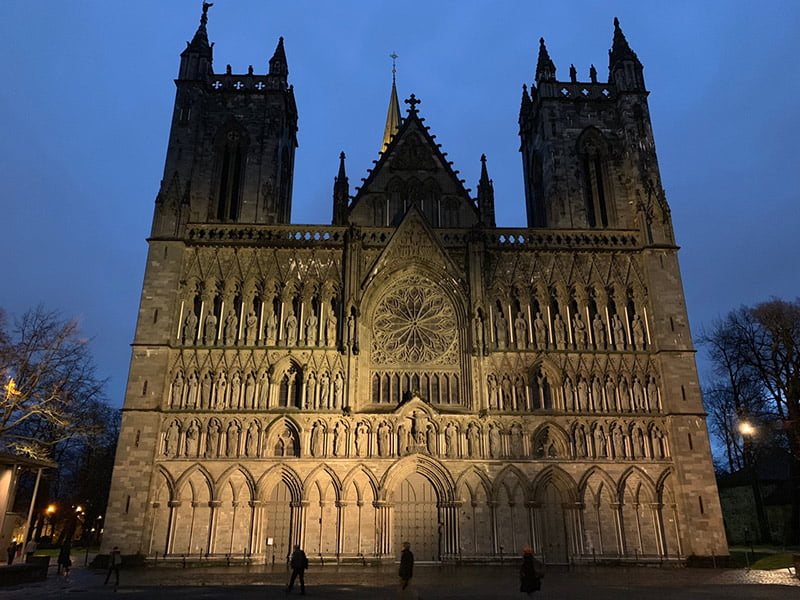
[{"x": 416, "y": 518}]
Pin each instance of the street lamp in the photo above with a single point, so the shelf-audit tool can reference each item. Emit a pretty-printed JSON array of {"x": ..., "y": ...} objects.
[{"x": 748, "y": 432}]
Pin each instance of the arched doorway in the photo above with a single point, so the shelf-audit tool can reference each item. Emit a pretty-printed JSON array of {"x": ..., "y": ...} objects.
[
  {"x": 416, "y": 517},
  {"x": 277, "y": 521},
  {"x": 552, "y": 526}
]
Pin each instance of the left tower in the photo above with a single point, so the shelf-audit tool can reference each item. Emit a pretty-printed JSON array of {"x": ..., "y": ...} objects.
[{"x": 230, "y": 159}]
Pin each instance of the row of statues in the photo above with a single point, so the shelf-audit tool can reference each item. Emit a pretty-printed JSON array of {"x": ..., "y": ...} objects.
[
  {"x": 219, "y": 391},
  {"x": 593, "y": 394},
  {"x": 288, "y": 331},
  {"x": 559, "y": 335},
  {"x": 414, "y": 434}
]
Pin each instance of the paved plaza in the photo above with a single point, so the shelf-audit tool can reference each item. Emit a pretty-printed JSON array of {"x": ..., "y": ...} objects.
[{"x": 429, "y": 582}]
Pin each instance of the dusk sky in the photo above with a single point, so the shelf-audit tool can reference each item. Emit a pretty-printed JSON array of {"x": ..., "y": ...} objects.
[{"x": 88, "y": 90}]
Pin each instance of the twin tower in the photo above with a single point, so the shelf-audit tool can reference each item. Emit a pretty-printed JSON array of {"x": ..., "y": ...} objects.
[{"x": 587, "y": 150}]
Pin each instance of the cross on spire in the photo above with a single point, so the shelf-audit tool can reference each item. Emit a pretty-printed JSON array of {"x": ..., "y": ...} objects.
[
  {"x": 412, "y": 102},
  {"x": 394, "y": 57}
]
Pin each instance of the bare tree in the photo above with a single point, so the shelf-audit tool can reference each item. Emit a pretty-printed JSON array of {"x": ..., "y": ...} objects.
[
  {"x": 51, "y": 393},
  {"x": 755, "y": 353}
]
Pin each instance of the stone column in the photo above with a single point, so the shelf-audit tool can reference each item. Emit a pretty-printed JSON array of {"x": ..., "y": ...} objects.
[
  {"x": 172, "y": 504},
  {"x": 658, "y": 527},
  {"x": 255, "y": 527},
  {"x": 383, "y": 514},
  {"x": 493, "y": 512},
  {"x": 340, "y": 527},
  {"x": 213, "y": 519},
  {"x": 617, "y": 508}
]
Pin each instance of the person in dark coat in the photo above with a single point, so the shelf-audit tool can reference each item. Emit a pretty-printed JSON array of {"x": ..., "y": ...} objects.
[
  {"x": 114, "y": 563},
  {"x": 11, "y": 551},
  {"x": 406, "y": 565},
  {"x": 528, "y": 577},
  {"x": 299, "y": 563},
  {"x": 64, "y": 560}
]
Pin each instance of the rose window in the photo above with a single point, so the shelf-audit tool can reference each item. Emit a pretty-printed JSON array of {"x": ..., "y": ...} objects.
[{"x": 414, "y": 322}]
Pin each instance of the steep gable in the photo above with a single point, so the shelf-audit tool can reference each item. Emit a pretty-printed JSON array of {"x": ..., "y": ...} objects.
[{"x": 412, "y": 170}]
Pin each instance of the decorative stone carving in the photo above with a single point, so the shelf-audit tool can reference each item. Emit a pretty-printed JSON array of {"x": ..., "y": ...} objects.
[
  {"x": 189, "y": 328},
  {"x": 579, "y": 330},
  {"x": 599, "y": 327},
  {"x": 559, "y": 332},
  {"x": 501, "y": 330},
  {"x": 414, "y": 322},
  {"x": 521, "y": 331},
  {"x": 231, "y": 325},
  {"x": 251, "y": 328},
  {"x": 540, "y": 332}
]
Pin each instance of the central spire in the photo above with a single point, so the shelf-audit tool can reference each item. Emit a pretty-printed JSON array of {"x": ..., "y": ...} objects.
[{"x": 393, "y": 115}]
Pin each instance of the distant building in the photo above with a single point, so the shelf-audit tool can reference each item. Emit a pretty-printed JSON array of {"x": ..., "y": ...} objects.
[{"x": 411, "y": 371}]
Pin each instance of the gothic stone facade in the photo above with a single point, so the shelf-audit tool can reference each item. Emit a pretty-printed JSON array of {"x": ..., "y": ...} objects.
[{"x": 413, "y": 371}]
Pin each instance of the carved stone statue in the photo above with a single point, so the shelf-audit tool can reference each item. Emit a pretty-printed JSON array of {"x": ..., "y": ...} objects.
[
  {"x": 495, "y": 450},
  {"x": 291, "y": 329},
  {"x": 611, "y": 393},
  {"x": 638, "y": 395},
  {"x": 599, "y": 327},
  {"x": 540, "y": 331},
  {"x": 212, "y": 436},
  {"x": 505, "y": 386},
  {"x": 251, "y": 327},
  {"x": 583, "y": 395},
  {"x": 339, "y": 435},
  {"x": 271, "y": 328},
  {"x": 383, "y": 439},
  {"x": 191, "y": 396},
  {"x": 491, "y": 380},
  {"x": 478, "y": 339},
  {"x": 210, "y": 329},
  {"x": 232, "y": 441},
  {"x": 569, "y": 394},
  {"x": 451, "y": 441},
  {"x": 316, "y": 440},
  {"x": 521, "y": 331},
  {"x": 177, "y": 400},
  {"x": 231, "y": 325},
  {"x": 351, "y": 331},
  {"x": 560, "y": 332},
  {"x": 324, "y": 390},
  {"x": 519, "y": 390},
  {"x": 338, "y": 388},
  {"x": 189, "y": 328},
  {"x": 579, "y": 328},
  {"x": 619, "y": 332},
  {"x": 171, "y": 439},
  {"x": 311, "y": 330},
  {"x": 360, "y": 440},
  {"x": 501, "y": 329},
  {"x": 637, "y": 329},
  {"x": 192, "y": 440},
  {"x": 652, "y": 394},
  {"x": 251, "y": 441},
  {"x": 473, "y": 441},
  {"x": 330, "y": 331}
]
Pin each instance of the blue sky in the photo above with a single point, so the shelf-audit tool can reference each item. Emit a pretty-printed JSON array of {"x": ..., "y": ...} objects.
[{"x": 87, "y": 96}]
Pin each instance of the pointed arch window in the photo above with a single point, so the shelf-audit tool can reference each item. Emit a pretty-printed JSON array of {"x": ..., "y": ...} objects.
[
  {"x": 593, "y": 153},
  {"x": 232, "y": 151}
]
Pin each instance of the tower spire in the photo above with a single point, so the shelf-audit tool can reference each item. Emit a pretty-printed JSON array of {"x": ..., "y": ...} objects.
[
  {"x": 196, "y": 58},
  {"x": 278, "y": 66},
  {"x": 486, "y": 196},
  {"x": 545, "y": 68},
  {"x": 341, "y": 194},
  {"x": 620, "y": 56},
  {"x": 393, "y": 114}
]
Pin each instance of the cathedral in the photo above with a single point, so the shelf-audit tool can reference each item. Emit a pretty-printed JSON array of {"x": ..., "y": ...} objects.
[{"x": 411, "y": 371}]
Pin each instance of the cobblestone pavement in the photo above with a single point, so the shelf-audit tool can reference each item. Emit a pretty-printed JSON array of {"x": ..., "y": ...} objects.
[{"x": 429, "y": 582}]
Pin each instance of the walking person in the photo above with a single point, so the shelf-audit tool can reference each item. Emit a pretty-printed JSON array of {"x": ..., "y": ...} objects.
[
  {"x": 299, "y": 563},
  {"x": 11, "y": 551},
  {"x": 529, "y": 579},
  {"x": 406, "y": 565},
  {"x": 114, "y": 563},
  {"x": 30, "y": 548},
  {"x": 64, "y": 559}
]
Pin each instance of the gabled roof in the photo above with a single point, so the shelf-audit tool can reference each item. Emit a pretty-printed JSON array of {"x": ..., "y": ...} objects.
[
  {"x": 413, "y": 242},
  {"x": 413, "y": 152}
]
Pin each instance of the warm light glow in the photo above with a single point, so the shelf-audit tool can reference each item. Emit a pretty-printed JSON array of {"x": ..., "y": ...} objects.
[
  {"x": 78, "y": 509},
  {"x": 51, "y": 509},
  {"x": 746, "y": 429}
]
